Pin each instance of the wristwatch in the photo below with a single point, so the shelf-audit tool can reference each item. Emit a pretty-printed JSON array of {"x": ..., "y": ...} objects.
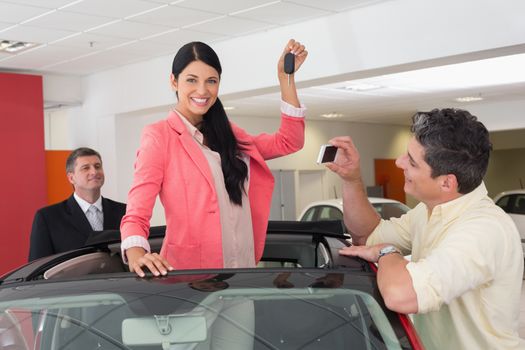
[{"x": 389, "y": 249}]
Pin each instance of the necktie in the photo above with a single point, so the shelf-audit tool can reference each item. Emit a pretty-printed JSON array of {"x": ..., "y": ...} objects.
[{"x": 94, "y": 217}]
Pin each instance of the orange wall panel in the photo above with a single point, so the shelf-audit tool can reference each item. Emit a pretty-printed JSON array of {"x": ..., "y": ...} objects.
[
  {"x": 391, "y": 178},
  {"x": 58, "y": 187}
]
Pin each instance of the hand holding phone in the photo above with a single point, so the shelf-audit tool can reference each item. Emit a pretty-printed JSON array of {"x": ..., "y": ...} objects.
[{"x": 326, "y": 154}]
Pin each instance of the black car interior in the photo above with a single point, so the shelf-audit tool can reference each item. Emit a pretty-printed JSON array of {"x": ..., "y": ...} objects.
[{"x": 289, "y": 244}]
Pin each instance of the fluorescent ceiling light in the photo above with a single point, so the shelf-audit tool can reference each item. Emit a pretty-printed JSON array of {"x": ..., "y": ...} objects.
[
  {"x": 332, "y": 115},
  {"x": 469, "y": 99},
  {"x": 460, "y": 76},
  {"x": 229, "y": 108},
  {"x": 362, "y": 87},
  {"x": 254, "y": 8},
  {"x": 468, "y": 75},
  {"x": 14, "y": 46}
]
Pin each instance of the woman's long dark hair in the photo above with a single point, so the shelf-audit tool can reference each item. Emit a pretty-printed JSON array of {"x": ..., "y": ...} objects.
[{"x": 216, "y": 128}]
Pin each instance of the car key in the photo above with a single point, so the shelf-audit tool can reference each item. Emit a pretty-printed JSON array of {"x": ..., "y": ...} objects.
[{"x": 289, "y": 64}]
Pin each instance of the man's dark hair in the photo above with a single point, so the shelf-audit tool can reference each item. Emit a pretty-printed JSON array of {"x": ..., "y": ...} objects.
[
  {"x": 455, "y": 142},
  {"x": 79, "y": 152}
]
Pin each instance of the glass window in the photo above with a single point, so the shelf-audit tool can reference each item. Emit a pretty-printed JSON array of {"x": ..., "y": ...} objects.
[
  {"x": 323, "y": 257},
  {"x": 75, "y": 322},
  {"x": 324, "y": 319},
  {"x": 211, "y": 314},
  {"x": 519, "y": 205},
  {"x": 330, "y": 213},
  {"x": 503, "y": 202},
  {"x": 309, "y": 215},
  {"x": 390, "y": 210}
]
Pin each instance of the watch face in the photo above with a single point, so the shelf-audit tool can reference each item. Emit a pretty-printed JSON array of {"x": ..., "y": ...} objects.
[{"x": 388, "y": 249}]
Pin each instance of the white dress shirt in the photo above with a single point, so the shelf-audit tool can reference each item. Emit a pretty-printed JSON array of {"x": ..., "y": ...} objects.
[{"x": 84, "y": 205}]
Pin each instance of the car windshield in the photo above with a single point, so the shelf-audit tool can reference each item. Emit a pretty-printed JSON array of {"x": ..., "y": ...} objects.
[
  {"x": 279, "y": 310},
  {"x": 390, "y": 210}
]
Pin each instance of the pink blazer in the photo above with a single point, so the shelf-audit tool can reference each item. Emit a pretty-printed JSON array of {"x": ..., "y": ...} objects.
[{"x": 170, "y": 163}]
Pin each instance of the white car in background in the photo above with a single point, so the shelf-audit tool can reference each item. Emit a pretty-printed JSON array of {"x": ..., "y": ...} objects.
[
  {"x": 513, "y": 202},
  {"x": 332, "y": 209}
]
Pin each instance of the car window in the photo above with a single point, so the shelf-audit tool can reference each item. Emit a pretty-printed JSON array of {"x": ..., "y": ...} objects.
[
  {"x": 309, "y": 215},
  {"x": 518, "y": 206},
  {"x": 294, "y": 250},
  {"x": 390, "y": 210},
  {"x": 503, "y": 202},
  {"x": 329, "y": 213},
  {"x": 323, "y": 257}
]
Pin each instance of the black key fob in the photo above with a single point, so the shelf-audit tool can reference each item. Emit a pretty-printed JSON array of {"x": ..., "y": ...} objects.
[{"x": 289, "y": 63}]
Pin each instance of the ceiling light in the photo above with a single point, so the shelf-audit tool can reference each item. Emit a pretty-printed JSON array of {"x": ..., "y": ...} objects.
[
  {"x": 14, "y": 46},
  {"x": 229, "y": 108},
  {"x": 468, "y": 99},
  {"x": 362, "y": 87},
  {"x": 332, "y": 115}
]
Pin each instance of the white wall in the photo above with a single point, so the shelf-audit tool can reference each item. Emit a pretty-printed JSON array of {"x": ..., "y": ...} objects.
[
  {"x": 392, "y": 36},
  {"x": 56, "y": 129},
  {"x": 506, "y": 171},
  {"x": 385, "y": 142},
  {"x": 387, "y": 37},
  {"x": 60, "y": 90}
]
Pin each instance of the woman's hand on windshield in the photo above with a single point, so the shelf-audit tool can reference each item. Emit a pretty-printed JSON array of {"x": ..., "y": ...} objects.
[{"x": 138, "y": 259}]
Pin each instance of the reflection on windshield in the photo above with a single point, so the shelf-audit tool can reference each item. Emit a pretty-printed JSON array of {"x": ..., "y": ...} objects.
[{"x": 197, "y": 318}]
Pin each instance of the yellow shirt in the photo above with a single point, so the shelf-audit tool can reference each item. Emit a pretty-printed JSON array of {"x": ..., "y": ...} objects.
[{"x": 466, "y": 270}]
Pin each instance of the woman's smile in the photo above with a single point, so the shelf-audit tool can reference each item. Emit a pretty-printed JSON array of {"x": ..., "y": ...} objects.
[{"x": 201, "y": 102}]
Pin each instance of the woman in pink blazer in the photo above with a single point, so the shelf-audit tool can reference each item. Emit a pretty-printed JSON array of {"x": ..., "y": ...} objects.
[{"x": 210, "y": 174}]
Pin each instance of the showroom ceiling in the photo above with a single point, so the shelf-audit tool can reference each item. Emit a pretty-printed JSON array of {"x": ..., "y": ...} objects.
[{"x": 84, "y": 37}]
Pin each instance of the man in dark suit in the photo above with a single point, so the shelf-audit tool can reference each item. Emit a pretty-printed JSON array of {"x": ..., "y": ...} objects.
[{"x": 67, "y": 225}]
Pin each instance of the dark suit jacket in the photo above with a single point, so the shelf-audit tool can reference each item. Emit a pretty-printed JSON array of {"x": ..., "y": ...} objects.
[{"x": 64, "y": 226}]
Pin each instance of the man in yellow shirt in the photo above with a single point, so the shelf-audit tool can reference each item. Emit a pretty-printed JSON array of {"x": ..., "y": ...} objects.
[{"x": 464, "y": 280}]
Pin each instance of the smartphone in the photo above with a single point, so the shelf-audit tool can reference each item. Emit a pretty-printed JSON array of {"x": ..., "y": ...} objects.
[{"x": 326, "y": 154}]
